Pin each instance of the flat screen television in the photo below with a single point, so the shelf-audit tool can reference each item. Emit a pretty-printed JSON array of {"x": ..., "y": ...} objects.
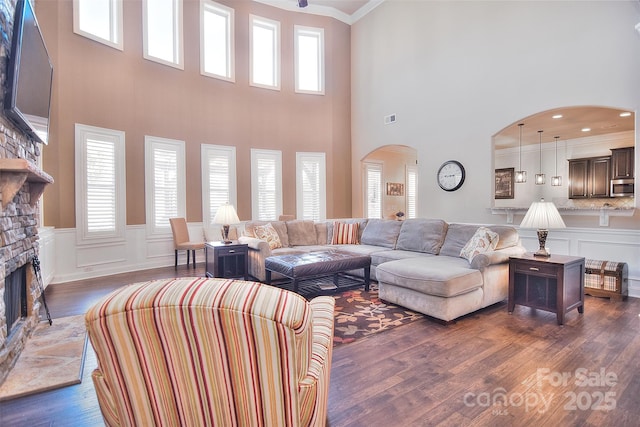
[{"x": 30, "y": 76}]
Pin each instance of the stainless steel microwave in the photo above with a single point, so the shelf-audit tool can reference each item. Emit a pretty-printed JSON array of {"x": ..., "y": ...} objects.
[{"x": 621, "y": 187}]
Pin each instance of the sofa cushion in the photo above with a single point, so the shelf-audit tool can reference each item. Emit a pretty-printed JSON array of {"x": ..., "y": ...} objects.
[
  {"x": 362, "y": 222},
  {"x": 381, "y": 232},
  {"x": 345, "y": 234},
  {"x": 432, "y": 275},
  {"x": 321, "y": 233},
  {"x": 422, "y": 235},
  {"x": 301, "y": 232},
  {"x": 482, "y": 241},
  {"x": 279, "y": 226},
  {"x": 268, "y": 234},
  {"x": 507, "y": 236},
  {"x": 379, "y": 257}
]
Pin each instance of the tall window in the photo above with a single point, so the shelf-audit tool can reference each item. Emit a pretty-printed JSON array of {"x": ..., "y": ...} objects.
[
  {"x": 309, "y": 60},
  {"x": 162, "y": 25},
  {"x": 311, "y": 187},
  {"x": 165, "y": 186},
  {"x": 218, "y": 179},
  {"x": 265, "y": 52},
  {"x": 266, "y": 184},
  {"x": 412, "y": 192},
  {"x": 373, "y": 190},
  {"x": 217, "y": 40},
  {"x": 99, "y": 20},
  {"x": 100, "y": 184}
]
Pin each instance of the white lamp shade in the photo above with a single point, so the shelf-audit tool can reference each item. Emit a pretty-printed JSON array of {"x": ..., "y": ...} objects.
[
  {"x": 225, "y": 215},
  {"x": 542, "y": 215}
]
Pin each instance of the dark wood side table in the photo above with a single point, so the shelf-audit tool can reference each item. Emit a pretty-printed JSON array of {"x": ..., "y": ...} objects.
[
  {"x": 554, "y": 284},
  {"x": 229, "y": 260}
]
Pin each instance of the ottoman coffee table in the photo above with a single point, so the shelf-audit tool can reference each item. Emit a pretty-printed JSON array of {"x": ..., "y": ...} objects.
[{"x": 311, "y": 265}]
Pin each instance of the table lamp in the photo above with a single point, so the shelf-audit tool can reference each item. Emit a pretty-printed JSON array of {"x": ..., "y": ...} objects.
[
  {"x": 543, "y": 216},
  {"x": 226, "y": 215}
]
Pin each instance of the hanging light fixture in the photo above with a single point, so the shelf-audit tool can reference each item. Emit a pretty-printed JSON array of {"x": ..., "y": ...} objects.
[
  {"x": 521, "y": 176},
  {"x": 556, "y": 180},
  {"x": 540, "y": 178}
]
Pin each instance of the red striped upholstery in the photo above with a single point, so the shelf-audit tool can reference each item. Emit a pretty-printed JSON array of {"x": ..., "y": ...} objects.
[{"x": 200, "y": 352}]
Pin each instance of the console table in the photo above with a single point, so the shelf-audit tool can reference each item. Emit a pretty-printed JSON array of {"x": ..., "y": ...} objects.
[
  {"x": 554, "y": 284},
  {"x": 226, "y": 260}
]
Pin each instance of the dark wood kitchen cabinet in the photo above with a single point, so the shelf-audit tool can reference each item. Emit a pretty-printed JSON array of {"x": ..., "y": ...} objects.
[
  {"x": 622, "y": 162},
  {"x": 589, "y": 177}
]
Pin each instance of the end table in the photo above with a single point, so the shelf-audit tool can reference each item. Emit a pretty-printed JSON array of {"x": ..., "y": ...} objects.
[
  {"x": 226, "y": 260},
  {"x": 554, "y": 284}
]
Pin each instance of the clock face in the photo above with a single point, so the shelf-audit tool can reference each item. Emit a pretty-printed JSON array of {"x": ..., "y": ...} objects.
[{"x": 451, "y": 175}]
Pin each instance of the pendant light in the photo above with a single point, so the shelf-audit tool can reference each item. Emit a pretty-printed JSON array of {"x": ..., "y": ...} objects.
[
  {"x": 540, "y": 178},
  {"x": 556, "y": 180},
  {"x": 521, "y": 175}
]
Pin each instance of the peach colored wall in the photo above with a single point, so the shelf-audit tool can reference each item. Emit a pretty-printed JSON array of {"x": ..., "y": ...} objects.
[{"x": 100, "y": 86}]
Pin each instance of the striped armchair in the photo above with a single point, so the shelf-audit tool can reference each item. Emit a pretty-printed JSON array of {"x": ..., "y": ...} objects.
[{"x": 200, "y": 352}]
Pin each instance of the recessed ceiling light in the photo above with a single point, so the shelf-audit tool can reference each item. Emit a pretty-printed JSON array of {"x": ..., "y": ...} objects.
[
  {"x": 556, "y": 116},
  {"x": 625, "y": 114},
  {"x": 586, "y": 129}
]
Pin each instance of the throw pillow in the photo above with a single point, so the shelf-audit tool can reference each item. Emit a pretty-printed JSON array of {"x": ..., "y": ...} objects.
[
  {"x": 345, "y": 234},
  {"x": 484, "y": 240},
  {"x": 268, "y": 234}
]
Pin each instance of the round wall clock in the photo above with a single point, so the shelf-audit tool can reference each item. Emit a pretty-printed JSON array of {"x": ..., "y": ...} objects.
[{"x": 451, "y": 175}]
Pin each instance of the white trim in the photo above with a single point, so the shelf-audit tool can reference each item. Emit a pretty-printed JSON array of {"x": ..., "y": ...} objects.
[
  {"x": 255, "y": 20},
  {"x": 318, "y": 34},
  {"x": 229, "y": 15},
  {"x": 117, "y": 138},
  {"x": 116, "y": 39},
  {"x": 230, "y": 152},
  {"x": 152, "y": 143},
  {"x": 178, "y": 41},
  {"x": 276, "y": 156},
  {"x": 332, "y": 12},
  {"x": 320, "y": 159}
]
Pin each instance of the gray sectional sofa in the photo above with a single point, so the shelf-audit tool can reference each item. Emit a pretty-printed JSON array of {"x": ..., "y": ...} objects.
[{"x": 417, "y": 262}]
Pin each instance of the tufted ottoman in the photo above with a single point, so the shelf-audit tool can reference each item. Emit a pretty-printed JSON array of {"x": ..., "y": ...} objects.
[{"x": 299, "y": 267}]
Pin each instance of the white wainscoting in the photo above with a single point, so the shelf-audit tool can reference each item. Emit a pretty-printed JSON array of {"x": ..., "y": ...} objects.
[
  {"x": 594, "y": 243},
  {"x": 136, "y": 252},
  {"x": 139, "y": 253}
]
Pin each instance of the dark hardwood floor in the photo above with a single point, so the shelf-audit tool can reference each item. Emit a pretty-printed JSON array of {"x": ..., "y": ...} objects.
[{"x": 487, "y": 369}]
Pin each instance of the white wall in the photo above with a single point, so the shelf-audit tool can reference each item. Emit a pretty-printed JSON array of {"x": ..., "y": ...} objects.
[{"x": 455, "y": 73}]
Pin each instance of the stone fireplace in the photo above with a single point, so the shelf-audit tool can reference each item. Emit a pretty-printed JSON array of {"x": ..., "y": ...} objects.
[{"x": 21, "y": 185}]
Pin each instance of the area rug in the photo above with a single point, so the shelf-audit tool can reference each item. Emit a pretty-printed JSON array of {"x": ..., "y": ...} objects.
[
  {"x": 359, "y": 313},
  {"x": 52, "y": 358}
]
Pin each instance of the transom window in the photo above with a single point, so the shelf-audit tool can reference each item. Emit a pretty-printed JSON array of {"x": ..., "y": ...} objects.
[
  {"x": 162, "y": 24},
  {"x": 265, "y": 52},
  {"x": 309, "y": 59},
  {"x": 217, "y": 41},
  {"x": 99, "y": 20}
]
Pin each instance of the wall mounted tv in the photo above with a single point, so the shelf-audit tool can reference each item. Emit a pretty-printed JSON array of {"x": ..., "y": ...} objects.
[{"x": 30, "y": 76}]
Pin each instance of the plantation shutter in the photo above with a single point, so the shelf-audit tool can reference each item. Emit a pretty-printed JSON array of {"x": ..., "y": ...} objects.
[
  {"x": 165, "y": 174},
  {"x": 311, "y": 186},
  {"x": 266, "y": 184},
  {"x": 373, "y": 197},
  {"x": 100, "y": 186},
  {"x": 412, "y": 191}
]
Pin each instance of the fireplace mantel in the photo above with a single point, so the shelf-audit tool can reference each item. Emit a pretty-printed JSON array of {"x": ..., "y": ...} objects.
[{"x": 14, "y": 173}]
